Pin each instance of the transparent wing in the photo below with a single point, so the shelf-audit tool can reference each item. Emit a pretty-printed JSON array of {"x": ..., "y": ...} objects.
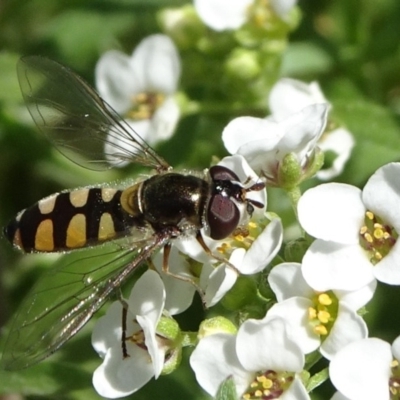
[
  {"x": 66, "y": 297},
  {"x": 77, "y": 120}
]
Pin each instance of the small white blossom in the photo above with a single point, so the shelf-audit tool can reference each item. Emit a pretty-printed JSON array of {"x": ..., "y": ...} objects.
[
  {"x": 232, "y": 14},
  {"x": 363, "y": 369},
  {"x": 260, "y": 352},
  {"x": 141, "y": 88},
  {"x": 356, "y": 232},
  {"x": 118, "y": 376},
  {"x": 289, "y": 96},
  {"x": 326, "y": 320},
  {"x": 265, "y": 143}
]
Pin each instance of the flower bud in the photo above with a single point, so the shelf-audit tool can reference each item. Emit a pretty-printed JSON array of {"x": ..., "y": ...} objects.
[{"x": 215, "y": 325}]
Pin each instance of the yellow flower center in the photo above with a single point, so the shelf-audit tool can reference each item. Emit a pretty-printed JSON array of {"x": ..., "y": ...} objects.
[
  {"x": 144, "y": 105},
  {"x": 268, "y": 385},
  {"x": 243, "y": 237},
  {"x": 376, "y": 237},
  {"x": 323, "y": 314}
]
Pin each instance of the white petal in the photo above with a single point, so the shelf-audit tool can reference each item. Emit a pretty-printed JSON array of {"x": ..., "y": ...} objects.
[
  {"x": 108, "y": 329},
  {"x": 296, "y": 391},
  {"x": 295, "y": 313},
  {"x": 333, "y": 266},
  {"x": 179, "y": 294},
  {"x": 244, "y": 130},
  {"x": 222, "y": 14},
  {"x": 115, "y": 80},
  {"x": 164, "y": 121},
  {"x": 361, "y": 370},
  {"x": 264, "y": 345},
  {"x": 302, "y": 130},
  {"x": 117, "y": 377},
  {"x": 288, "y": 96},
  {"x": 396, "y": 348},
  {"x": 156, "y": 63},
  {"x": 339, "y": 396},
  {"x": 214, "y": 359},
  {"x": 156, "y": 353},
  {"x": 286, "y": 280},
  {"x": 332, "y": 211},
  {"x": 221, "y": 280},
  {"x": 148, "y": 297},
  {"x": 381, "y": 194},
  {"x": 387, "y": 270},
  {"x": 263, "y": 249},
  {"x": 348, "y": 327},
  {"x": 356, "y": 299},
  {"x": 341, "y": 142}
]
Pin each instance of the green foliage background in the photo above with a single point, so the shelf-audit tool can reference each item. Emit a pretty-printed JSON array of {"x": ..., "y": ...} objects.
[{"x": 351, "y": 47}]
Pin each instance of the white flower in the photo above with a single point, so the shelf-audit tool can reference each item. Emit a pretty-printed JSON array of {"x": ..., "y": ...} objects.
[
  {"x": 289, "y": 96},
  {"x": 120, "y": 376},
  {"x": 356, "y": 232},
  {"x": 363, "y": 369},
  {"x": 260, "y": 357},
  {"x": 232, "y": 14},
  {"x": 141, "y": 88},
  {"x": 265, "y": 143},
  {"x": 328, "y": 319}
]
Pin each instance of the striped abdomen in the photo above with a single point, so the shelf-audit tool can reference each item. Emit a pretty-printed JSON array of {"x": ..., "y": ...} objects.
[{"x": 70, "y": 220}]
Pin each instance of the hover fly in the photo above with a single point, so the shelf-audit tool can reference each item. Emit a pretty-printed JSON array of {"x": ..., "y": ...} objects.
[{"x": 147, "y": 215}]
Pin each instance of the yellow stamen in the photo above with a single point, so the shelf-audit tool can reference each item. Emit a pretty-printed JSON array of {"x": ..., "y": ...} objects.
[
  {"x": 321, "y": 330},
  {"x": 324, "y": 316},
  {"x": 312, "y": 313},
  {"x": 370, "y": 215},
  {"x": 324, "y": 299},
  {"x": 368, "y": 238}
]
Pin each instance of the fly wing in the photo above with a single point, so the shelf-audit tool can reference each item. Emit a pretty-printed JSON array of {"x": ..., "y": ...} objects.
[
  {"x": 64, "y": 299},
  {"x": 80, "y": 124}
]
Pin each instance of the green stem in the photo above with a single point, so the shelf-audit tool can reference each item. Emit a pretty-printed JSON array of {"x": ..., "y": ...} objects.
[{"x": 294, "y": 195}]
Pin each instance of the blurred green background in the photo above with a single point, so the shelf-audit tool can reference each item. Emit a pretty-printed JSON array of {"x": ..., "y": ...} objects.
[{"x": 351, "y": 47}]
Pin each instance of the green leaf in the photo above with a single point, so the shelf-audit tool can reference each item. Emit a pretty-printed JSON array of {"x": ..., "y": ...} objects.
[
  {"x": 305, "y": 58},
  {"x": 9, "y": 92},
  {"x": 376, "y": 134},
  {"x": 81, "y": 35},
  {"x": 227, "y": 390},
  {"x": 45, "y": 379}
]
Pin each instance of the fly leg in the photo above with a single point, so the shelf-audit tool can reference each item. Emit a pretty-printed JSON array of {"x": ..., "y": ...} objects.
[
  {"x": 223, "y": 260},
  {"x": 165, "y": 269}
]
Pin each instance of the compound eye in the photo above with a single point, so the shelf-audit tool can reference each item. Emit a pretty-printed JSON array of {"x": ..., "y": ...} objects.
[
  {"x": 223, "y": 216},
  {"x": 220, "y": 173}
]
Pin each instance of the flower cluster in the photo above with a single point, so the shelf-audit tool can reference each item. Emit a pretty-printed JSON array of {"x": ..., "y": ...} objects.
[
  {"x": 317, "y": 299},
  {"x": 289, "y": 307}
]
